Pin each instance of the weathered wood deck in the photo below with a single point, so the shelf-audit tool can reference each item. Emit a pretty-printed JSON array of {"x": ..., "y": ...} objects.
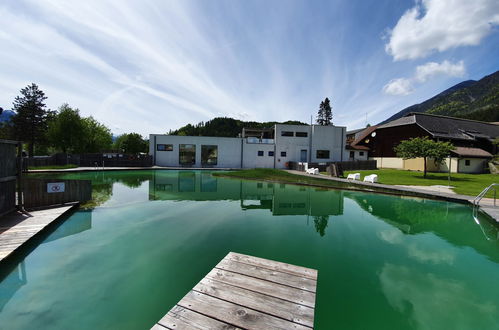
[
  {"x": 17, "y": 228},
  {"x": 244, "y": 292}
]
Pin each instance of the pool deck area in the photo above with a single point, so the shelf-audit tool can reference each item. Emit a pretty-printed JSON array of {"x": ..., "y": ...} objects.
[
  {"x": 17, "y": 228},
  {"x": 245, "y": 292}
]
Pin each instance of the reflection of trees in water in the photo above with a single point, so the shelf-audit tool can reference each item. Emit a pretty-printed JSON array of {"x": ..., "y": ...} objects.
[{"x": 320, "y": 222}]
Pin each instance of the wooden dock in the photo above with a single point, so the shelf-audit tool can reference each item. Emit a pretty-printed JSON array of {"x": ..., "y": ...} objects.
[
  {"x": 17, "y": 228},
  {"x": 245, "y": 292}
]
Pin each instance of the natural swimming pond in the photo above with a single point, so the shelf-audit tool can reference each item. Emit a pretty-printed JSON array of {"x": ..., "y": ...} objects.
[{"x": 385, "y": 262}]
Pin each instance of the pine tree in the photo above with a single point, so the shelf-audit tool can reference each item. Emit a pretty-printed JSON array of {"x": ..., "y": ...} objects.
[
  {"x": 325, "y": 113},
  {"x": 30, "y": 121}
]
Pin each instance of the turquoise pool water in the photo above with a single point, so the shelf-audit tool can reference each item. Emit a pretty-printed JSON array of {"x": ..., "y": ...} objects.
[{"x": 385, "y": 262}]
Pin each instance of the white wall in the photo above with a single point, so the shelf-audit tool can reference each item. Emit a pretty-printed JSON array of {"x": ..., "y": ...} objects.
[
  {"x": 229, "y": 150},
  {"x": 475, "y": 165},
  {"x": 251, "y": 158},
  {"x": 330, "y": 138},
  {"x": 356, "y": 155},
  {"x": 291, "y": 145}
]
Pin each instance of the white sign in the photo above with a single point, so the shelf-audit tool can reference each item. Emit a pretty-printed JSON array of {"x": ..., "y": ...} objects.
[{"x": 55, "y": 187}]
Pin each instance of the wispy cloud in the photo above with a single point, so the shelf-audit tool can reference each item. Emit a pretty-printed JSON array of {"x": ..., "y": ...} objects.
[{"x": 152, "y": 65}]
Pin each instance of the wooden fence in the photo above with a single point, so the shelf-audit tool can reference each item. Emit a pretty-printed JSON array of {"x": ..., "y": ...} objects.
[
  {"x": 92, "y": 160},
  {"x": 46, "y": 192},
  {"x": 8, "y": 176}
]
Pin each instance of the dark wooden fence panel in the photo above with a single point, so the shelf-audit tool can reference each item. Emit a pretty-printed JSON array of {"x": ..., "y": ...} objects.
[
  {"x": 92, "y": 160},
  {"x": 8, "y": 172},
  {"x": 36, "y": 195}
]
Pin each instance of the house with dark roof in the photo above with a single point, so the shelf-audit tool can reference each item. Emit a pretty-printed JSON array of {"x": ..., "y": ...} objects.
[
  {"x": 354, "y": 149},
  {"x": 473, "y": 141}
]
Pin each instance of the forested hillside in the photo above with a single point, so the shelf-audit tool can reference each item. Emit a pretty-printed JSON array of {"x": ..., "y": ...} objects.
[
  {"x": 477, "y": 100},
  {"x": 225, "y": 127}
]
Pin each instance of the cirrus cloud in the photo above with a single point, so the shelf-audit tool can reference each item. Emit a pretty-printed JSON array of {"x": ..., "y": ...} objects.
[{"x": 439, "y": 25}]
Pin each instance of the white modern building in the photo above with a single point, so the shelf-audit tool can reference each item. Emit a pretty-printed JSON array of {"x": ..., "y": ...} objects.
[{"x": 256, "y": 148}]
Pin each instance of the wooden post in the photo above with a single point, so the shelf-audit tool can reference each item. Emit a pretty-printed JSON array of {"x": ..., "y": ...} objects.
[{"x": 20, "y": 202}]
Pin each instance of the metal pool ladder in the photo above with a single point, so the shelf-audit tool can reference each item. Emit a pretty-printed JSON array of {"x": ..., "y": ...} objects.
[{"x": 478, "y": 198}]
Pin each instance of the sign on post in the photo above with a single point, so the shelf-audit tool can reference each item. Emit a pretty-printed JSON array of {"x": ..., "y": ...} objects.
[{"x": 55, "y": 187}]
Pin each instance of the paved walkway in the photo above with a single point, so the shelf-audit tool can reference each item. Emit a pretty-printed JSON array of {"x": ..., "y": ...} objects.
[
  {"x": 486, "y": 204},
  {"x": 17, "y": 228},
  {"x": 90, "y": 169}
]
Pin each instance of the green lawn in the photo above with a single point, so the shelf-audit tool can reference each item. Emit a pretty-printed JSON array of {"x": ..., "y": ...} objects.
[
  {"x": 53, "y": 167},
  {"x": 466, "y": 184}
]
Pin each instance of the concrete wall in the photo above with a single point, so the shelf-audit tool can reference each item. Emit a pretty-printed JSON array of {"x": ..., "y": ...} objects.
[
  {"x": 417, "y": 164},
  {"x": 251, "y": 158},
  {"x": 330, "y": 138},
  {"x": 389, "y": 162},
  {"x": 229, "y": 150},
  {"x": 291, "y": 145},
  {"x": 476, "y": 165},
  {"x": 356, "y": 155}
]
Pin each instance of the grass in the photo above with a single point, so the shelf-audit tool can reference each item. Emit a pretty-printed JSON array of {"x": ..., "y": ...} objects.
[
  {"x": 53, "y": 167},
  {"x": 466, "y": 184},
  {"x": 269, "y": 174}
]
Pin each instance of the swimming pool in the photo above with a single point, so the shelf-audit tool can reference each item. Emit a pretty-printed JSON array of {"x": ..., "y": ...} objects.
[{"x": 385, "y": 262}]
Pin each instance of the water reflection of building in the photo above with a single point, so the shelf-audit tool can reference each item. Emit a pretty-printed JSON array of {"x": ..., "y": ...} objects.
[{"x": 280, "y": 199}]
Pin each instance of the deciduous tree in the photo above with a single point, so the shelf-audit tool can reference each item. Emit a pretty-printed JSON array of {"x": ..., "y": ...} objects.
[
  {"x": 66, "y": 131},
  {"x": 131, "y": 143},
  {"x": 425, "y": 148}
]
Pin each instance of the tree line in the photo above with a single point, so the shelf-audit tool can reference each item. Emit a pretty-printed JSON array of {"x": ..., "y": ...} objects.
[{"x": 46, "y": 132}]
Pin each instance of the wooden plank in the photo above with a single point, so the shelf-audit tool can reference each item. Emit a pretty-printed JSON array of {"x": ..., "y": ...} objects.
[
  {"x": 269, "y": 288},
  {"x": 236, "y": 315},
  {"x": 248, "y": 293},
  {"x": 295, "y": 281},
  {"x": 266, "y": 304},
  {"x": 181, "y": 318},
  {"x": 274, "y": 265},
  {"x": 18, "y": 228}
]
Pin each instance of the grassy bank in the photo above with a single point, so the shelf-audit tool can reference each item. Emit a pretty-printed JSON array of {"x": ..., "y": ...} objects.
[
  {"x": 53, "y": 167},
  {"x": 466, "y": 184},
  {"x": 269, "y": 174}
]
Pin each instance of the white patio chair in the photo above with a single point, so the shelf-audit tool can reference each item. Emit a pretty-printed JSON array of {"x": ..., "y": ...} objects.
[
  {"x": 353, "y": 176},
  {"x": 373, "y": 178}
]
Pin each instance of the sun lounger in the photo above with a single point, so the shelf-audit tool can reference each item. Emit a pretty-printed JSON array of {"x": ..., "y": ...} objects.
[
  {"x": 312, "y": 171},
  {"x": 353, "y": 176},
  {"x": 373, "y": 178}
]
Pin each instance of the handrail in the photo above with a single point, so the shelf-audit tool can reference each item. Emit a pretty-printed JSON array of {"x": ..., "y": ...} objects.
[{"x": 478, "y": 198}]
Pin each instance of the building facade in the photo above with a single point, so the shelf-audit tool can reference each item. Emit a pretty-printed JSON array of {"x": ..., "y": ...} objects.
[{"x": 256, "y": 148}]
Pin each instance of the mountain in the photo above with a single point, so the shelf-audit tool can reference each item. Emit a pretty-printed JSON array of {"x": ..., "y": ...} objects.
[
  {"x": 470, "y": 99},
  {"x": 6, "y": 115},
  {"x": 225, "y": 127}
]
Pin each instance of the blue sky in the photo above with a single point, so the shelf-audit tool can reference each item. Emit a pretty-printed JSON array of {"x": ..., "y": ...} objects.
[{"x": 150, "y": 66}]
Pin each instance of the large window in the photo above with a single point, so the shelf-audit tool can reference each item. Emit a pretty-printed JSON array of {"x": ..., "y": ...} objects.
[
  {"x": 301, "y": 134},
  {"x": 322, "y": 154},
  {"x": 164, "y": 147},
  {"x": 287, "y": 133},
  {"x": 187, "y": 154},
  {"x": 209, "y": 155}
]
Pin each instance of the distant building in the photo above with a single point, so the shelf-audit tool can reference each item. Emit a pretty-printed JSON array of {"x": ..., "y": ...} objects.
[
  {"x": 256, "y": 148},
  {"x": 473, "y": 141}
]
